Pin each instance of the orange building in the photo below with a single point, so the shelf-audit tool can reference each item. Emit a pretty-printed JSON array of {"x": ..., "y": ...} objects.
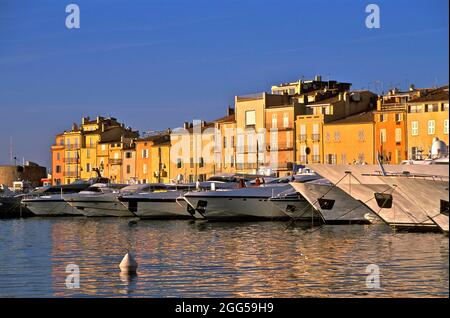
[
  {"x": 390, "y": 125},
  {"x": 57, "y": 151},
  {"x": 153, "y": 158}
]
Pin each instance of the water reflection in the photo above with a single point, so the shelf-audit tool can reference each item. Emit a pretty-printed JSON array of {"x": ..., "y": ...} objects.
[{"x": 215, "y": 259}]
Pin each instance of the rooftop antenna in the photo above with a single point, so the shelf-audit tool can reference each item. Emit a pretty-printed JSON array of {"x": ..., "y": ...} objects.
[{"x": 11, "y": 149}]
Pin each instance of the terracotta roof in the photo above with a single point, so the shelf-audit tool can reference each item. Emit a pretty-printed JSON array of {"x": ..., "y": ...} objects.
[
  {"x": 364, "y": 117},
  {"x": 436, "y": 95},
  {"x": 226, "y": 119}
]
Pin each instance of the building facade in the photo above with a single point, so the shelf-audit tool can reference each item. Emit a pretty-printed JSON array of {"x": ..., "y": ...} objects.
[{"x": 427, "y": 118}]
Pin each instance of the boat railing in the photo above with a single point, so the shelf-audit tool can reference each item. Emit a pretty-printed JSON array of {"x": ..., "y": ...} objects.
[{"x": 406, "y": 174}]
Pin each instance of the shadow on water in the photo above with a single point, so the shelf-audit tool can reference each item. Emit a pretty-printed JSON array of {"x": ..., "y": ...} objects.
[{"x": 218, "y": 259}]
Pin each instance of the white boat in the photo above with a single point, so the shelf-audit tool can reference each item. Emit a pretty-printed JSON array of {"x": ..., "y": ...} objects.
[
  {"x": 162, "y": 201},
  {"x": 249, "y": 202},
  {"x": 333, "y": 204},
  {"x": 99, "y": 200},
  {"x": 49, "y": 201}
]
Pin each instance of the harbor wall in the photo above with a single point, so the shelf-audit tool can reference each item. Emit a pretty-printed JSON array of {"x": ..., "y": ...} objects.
[{"x": 31, "y": 173}]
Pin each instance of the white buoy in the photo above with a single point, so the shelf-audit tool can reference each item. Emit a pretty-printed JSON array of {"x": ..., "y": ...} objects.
[{"x": 128, "y": 264}]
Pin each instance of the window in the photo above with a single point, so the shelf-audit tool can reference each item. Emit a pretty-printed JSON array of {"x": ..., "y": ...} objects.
[
  {"x": 144, "y": 169},
  {"x": 144, "y": 153},
  {"x": 302, "y": 136},
  {"x": 88, "y": 167},
  {"x": 361, "y": 135},
  {"x": 58, "y": 156},
  {"x": 414, "y": 128},
  {"x": 274, "y": 121},
  {"x": 398, "y": 135},
  {"x": 382, "y": 135},
  {"x": 116, "y": 155},
  {"x": 103, "y": 147},
  {"x": 331, "y": 158},
  {"x": 337, "y": 136},
  {"x": 88, "y": 153},
  {"x": 201, "y": 162},
  {"x": 383, "y": 118},
  {"x": 58, "y": 169},
  {"x": 285, "y": 120},
  {"x": 431, "y": 127},
  {"x": 128, "y": 155},
  {"x": 128, "y": 169},
  {"x": 446, "y": 126},
  {"x": 231, "y": 161},
  {"x": 250, "y": 118},
  {"x": 344, "y": 158},
  {"x": 179, "y": 163},
  {"x": 191, "y": 162},
  {"x": 288, "y": 139},
  {"x": 224, "y": 142},
  {"x": 445, "y": 107},
  {"x": 398, "y": 117},
  {"x": 432, "y": 108}
]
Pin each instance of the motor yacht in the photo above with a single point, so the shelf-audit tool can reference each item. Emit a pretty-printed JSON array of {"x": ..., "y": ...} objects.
[
  {"x": 252, "y": 202},
  {"x": 100, "y": 200}
]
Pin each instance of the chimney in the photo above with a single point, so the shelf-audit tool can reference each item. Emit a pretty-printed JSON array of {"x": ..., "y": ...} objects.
[
  {"x": 230, "y": 110},
  {"x": 186, "y": 125}
]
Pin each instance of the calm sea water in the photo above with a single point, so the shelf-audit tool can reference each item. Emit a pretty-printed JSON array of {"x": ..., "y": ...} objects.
[{"x": 206, "y": 259}]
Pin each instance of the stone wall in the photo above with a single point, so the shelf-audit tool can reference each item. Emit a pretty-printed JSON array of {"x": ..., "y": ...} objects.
[{"x": 31, "y": 173}]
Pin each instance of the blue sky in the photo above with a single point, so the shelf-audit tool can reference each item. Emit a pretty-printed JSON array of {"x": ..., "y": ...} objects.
[{"x": 155, "y": 64}]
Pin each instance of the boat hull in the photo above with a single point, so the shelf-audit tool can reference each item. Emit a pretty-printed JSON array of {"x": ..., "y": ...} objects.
[
  {"x": 156, "y": 208},
  {"x": 98, "y": 206},
  {"x": 50, "y": 207},
  {"x": 235, "y": 208}
]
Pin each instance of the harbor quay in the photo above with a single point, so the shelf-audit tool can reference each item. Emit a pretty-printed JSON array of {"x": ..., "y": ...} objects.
[
  {"x": 297, "y": 123},
  {"x": 312, "y": 151}
]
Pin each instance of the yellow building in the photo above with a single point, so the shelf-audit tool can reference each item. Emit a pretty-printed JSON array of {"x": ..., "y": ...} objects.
[
  {"x": 81, "y": 146},
  {"x": 427, "y": 118},
  {"x": 225, "y": 143},
  {"x": 115, "y": 160},
  {"x": 252, "y": 132},
  {"x": 350, "y": 140},
  {"x": 315, "y": 115},
  {"x": 72, "y": 152},
  {"x": 192, "y": 152}
]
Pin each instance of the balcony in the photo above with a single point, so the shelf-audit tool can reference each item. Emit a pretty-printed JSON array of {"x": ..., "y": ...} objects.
[
  {"x": 71, "y": 160},
  {"x": 315, "y": 159},
  {"x": 315, "y": 137},
  {"x": 72, "y": 174},
  {"x": 115, "y": 161},
  {"x": 302, "y": 137},
  {"x": 393, "y": 107},
  {"x": 73, "y": 147},
  {"x": 280, "y": 147}
]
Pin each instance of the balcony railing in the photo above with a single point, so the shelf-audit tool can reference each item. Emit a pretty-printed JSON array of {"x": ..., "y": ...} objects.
[
  {"x": 315, "y": 137},
  {"x": 302, "y": 137},
  {"x": 73, "y": 147},
  {"x": 315, "y": 159},
  {"x": 71, "y": 173},
  {"x": 71, "y": 160},
  {"x": 115, "y": 161}
]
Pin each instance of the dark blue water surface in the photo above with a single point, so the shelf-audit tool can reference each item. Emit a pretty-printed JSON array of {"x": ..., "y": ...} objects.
[{"x": 209, "y": 259}]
